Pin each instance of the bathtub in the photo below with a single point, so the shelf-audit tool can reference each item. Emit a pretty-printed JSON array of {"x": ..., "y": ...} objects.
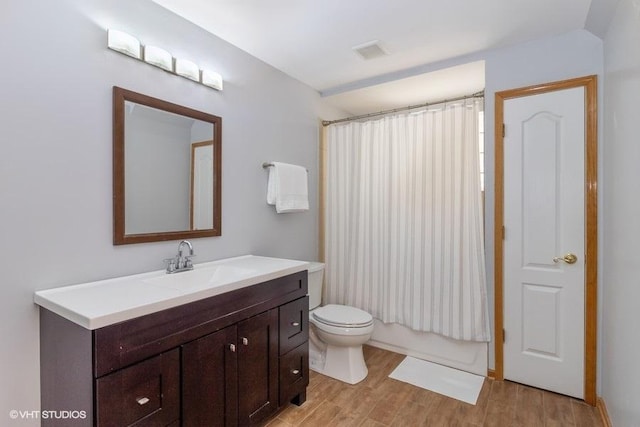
[{"x": 464, "y": 355}]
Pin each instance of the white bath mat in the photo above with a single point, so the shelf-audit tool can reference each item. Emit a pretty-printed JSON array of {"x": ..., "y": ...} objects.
[{"x": 440, "y": 379}]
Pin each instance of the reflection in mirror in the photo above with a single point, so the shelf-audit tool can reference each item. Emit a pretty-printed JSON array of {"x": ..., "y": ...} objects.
[
  {"x": 166, "y": 170},
  {"x": 201, "y": 185},
  {"x": 157, "y": 152}
]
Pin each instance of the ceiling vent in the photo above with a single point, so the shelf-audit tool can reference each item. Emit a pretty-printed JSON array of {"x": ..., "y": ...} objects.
[{"x": 370, "y": 50}]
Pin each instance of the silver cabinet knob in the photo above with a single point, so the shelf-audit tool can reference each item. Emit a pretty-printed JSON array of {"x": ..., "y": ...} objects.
[
  {"x": 142, "y": 400},
  {"x": 245, "y": 341},
  {"x": 232, "y": 347},
  {"x": 295, "y": 324},
  {"x": 295, "y": 372}
]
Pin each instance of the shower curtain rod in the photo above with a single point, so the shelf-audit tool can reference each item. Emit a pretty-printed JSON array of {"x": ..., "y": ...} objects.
[{"x": 395, "y": 110}]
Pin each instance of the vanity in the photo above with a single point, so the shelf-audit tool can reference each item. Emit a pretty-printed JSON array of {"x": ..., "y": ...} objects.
[{"x": 224, "y": 344}]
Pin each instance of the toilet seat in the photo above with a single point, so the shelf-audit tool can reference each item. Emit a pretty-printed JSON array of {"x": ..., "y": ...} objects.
[{"x": 342, "y": 316}]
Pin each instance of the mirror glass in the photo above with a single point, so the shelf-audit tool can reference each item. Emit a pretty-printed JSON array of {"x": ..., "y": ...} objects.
[{"x": 166, "y": 170}]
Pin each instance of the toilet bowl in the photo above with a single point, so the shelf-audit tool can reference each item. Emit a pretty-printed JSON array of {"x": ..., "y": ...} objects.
[{"x": 336, "y": 334}]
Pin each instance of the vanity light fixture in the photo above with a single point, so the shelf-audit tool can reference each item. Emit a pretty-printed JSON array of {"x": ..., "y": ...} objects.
[
  {"x": 124, "y": 43},
  {"x": 159, "y": 57},
  {"x": 187, "y": 69},
  {"x": 211, "y": 79}
]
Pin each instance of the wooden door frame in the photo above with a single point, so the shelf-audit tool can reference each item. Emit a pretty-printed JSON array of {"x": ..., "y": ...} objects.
[{"x": 591, "y": 222}]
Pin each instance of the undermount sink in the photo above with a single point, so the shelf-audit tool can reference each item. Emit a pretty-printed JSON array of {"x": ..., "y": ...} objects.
[{"x": 202, "y": 277}]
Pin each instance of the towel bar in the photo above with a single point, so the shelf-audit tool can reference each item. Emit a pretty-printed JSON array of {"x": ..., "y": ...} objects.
[{"x": 270, "y": 164}]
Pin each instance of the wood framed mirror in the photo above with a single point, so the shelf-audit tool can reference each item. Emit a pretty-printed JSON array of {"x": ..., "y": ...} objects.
[{"x": 166, "y": 170}]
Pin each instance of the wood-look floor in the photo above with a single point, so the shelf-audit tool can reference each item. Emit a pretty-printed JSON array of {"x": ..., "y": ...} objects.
[{"x": 382, "y": 401}]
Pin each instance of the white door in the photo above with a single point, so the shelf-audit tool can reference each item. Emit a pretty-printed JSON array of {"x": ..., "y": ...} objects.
[
  {"x": 544, "y": 266},
  {"x": 202, "y": 191}
]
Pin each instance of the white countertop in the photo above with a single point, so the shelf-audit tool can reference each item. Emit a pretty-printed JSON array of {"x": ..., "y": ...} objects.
[{"x": 106, "y": 302}]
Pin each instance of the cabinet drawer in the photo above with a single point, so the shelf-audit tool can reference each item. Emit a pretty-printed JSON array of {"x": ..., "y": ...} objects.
[
  {"x": 144, "y": 394},
  {"x": 294, "y": 324},
  {"x": 294, "y": 373}
]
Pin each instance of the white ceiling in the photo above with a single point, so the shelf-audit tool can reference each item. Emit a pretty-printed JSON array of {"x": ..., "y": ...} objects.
[
  {"x": 312, "y": 40},
  {"x": 438, "y": 85}
]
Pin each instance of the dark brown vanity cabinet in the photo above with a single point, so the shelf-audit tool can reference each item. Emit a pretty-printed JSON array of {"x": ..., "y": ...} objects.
[
  {"x": 228, "y": 360},
  {"x": 230, "y": 377}
]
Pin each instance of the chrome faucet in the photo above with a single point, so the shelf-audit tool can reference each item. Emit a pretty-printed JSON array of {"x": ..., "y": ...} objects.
[{"x": 180, "y": 262}]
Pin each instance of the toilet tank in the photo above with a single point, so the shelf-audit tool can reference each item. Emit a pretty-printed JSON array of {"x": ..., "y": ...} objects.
[{"x": 316, "y": 273}]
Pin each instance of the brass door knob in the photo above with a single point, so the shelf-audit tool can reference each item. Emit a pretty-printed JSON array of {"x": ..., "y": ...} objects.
[{"x": 568, "y": 258}]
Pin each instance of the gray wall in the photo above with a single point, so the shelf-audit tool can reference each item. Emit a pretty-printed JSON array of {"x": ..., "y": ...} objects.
[
  {"x": 55, "y": 163},
  {"x": 201, "y": 131},
  {"x": 620, "y": 377}
]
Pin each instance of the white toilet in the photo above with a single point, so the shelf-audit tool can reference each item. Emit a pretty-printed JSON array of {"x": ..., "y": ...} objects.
[{"x": 336, "y": 334}]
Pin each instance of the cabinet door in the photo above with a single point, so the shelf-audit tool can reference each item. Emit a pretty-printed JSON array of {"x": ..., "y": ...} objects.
[
  {"x": 209, "y": 380},
  {"x": 258, "y": 367},
  {"x": 145, "y": 394}
]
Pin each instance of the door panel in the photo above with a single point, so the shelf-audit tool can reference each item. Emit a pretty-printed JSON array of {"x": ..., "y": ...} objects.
[
  {"x": 540, "y": 309},
  {"x": 540, "y": 146},
  {"x": 544, "y": 220}
]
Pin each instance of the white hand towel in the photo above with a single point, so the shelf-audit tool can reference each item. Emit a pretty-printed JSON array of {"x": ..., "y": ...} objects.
[{"x": 287, "y": 188}]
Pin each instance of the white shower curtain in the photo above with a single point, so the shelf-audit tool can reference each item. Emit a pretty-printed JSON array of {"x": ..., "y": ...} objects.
[{"x": 403, "y": 220}]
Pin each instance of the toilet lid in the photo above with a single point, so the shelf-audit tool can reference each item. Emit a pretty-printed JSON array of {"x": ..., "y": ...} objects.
[{"x": 342, "y": 316}]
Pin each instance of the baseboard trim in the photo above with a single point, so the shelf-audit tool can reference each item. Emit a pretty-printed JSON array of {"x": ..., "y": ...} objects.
[
  {"x": 491, "y": 374},
  {"x": 602, "y": 409}
]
